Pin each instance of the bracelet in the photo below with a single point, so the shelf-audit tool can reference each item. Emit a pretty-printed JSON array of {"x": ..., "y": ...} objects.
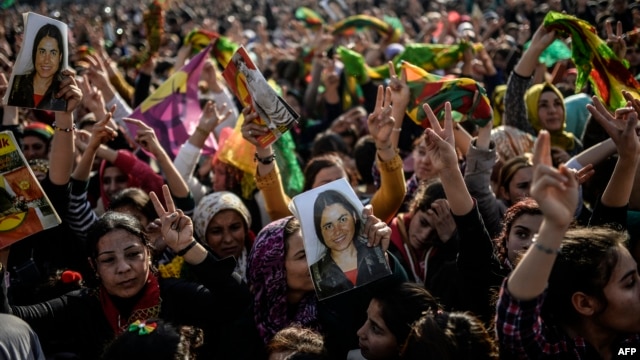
[
  {"x": 186, "y": 249},
  {"x": 386, "y": 148},
  {"x": 265, "y": 160},
  {"x": 202, "y": 131},
  {"x": 397, "y": 129},
  {"x": 55, "y": 127},
  {"x": 545, "y": 249}
]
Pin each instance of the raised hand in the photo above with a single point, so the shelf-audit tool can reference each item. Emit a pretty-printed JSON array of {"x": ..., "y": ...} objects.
[
  {"x": 176, "y": 228},
  {"x": 440, "y": 218},
  {"x": 615, "y": 40},
  {"x": 101, "y": 133},
  {"x": 621, "y": 126},
  {"x": 250, "y": 129},
  {"x": 377, "y": 232},
  {"x": 399, "y": 89},
  {"x": 146, "y": 137},
  {"x": 555, "y": 190},
  {"x": 69, "y": 90},
  {"x": 440, "y": 140},
  {"x": 212, "y": 116},
  {"x": 92, "y": 98},
  {"x": 381, "y": 121}
]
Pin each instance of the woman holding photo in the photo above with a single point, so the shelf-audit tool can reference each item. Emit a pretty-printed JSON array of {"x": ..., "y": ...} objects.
[
  {"x": 39, "y": 88},
  {"x": 349, "y": 260}
]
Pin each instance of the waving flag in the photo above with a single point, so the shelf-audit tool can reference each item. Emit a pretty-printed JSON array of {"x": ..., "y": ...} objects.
[
  {"x": 173, "y": 110},
  {"x": 223, "y": 47},
  {"x": 349, "y": 25},
  {"x": 310, "y": 18},
  {"x": 465, "y": 96},
  {"x": 595, "y": 61}
]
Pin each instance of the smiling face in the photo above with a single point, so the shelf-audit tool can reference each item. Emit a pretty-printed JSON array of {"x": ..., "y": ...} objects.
[
  {"x": 226, "y": 233},
  {"x": 550, "y": 111},
  {"x": 113, "y": 180},
  {"x": 122, "y": 263},
  {"x": 622, "y": 314},
  {"x": 338, "y": 227},
  {"x": 375, "y": 340},
  {"x": 48, "y": 57},
  {"x": 521, "y": 234}
]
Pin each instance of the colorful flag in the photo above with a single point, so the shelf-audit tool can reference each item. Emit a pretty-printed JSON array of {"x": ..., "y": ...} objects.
[
  {"x": 310, "y": 18},
  {"x": 173, "y": 110},
  {"x": 223, "y": 47},
  {"x": 436, "y": 91},
  {"x": 349, "y": 25},
  {"x": 595, "y": 61}
]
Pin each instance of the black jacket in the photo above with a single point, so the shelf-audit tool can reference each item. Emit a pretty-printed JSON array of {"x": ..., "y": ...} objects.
[{"x": 22, "y": 94}]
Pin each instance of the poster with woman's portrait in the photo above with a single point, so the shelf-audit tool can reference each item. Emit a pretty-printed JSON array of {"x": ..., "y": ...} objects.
[
  {"x": 37, "y": 73},
  {"x": 335, "y": 244}
]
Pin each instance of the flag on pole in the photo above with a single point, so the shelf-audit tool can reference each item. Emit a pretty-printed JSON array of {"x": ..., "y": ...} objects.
[{"x": 173, "y": 110}]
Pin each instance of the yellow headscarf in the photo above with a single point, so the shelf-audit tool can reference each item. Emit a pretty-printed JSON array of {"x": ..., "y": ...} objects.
[{"x": 559, "y": 138}]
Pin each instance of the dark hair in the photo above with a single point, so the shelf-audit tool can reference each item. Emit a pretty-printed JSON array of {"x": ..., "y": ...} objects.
[
  {"x": 365, "y": 155},
  {"x": 112, "y": 221},
  {"x": 328, "y": 198},
  {"x": 316, "y": 164},
  {"x": 165, "y": 342},
  {"x": 585, "y": 264},
  {"x": 297, "y": 340},
  {"x": 426, "y": 194},
  {"x": 290, "y": 228},
  {"x": 525, "y": 206},
  {"x": 402, "y": 304},
  {"x": 52, "y": 31},
  {"x": 329, "y": 142},
  {"x": 136, "y": 198},
  {"x": 449, "y": 336},
  {"x": 510, "y": 167}
]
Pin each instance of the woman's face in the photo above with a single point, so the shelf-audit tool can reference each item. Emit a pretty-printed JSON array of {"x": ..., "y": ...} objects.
[
  {"x": 219, "y": 176},
  {"x": 296, "y": 266},
  {"x": 48, "y": 57},
  {"x": 338, "y": 227},
  {"x": 328, "y": 175},
  {"x": 375, "y": 340},
  {"x": 114, "y": 180},
  {"x": 122, "y": 263},
  {"x": 226, "y": 233},
  {"x": 550, "y": 111},
  {"x": 34, "y": 148},
  {"x": 518, "y": 187},
  {"x": 622, "y": 314},
  {"x": 521, "y": 234},
  {"x": 421, "y": 232},
  {"x": 131, "y": 210},
  {"x": 422, "y": 166}
]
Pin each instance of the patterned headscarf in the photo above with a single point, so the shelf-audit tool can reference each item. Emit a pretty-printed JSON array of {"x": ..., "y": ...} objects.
[
  {"x": 209, "y": 207},
  {"x": 267, "y": 279}
]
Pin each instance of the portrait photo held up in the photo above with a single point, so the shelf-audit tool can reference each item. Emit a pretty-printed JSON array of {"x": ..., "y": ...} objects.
[
  {"x": 335, "y": 241},
  {"x": 37, "y": 74}
]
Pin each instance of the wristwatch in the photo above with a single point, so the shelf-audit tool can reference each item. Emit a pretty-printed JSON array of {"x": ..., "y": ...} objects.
[{"x": 265, "y": 160}]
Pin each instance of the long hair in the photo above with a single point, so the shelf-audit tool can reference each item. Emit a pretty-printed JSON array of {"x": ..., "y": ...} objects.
[
  {"x": 587, "y": 260},
  {"x": 328, "y": 198},
  {"x": 526, "y": 206},
  {"x": 51, "y": 31},
  {"x": 112, "y": 221}
]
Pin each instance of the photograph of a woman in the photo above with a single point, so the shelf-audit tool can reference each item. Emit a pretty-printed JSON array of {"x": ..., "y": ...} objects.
[
  {"x": 37, "y": 79},
  {"x": 347, "y": 262}
]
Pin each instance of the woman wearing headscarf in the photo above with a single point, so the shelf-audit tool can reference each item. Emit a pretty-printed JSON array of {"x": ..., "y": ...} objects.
[
  {"x": 541, "y": 106},
  {"x": 223, "y": 222}
]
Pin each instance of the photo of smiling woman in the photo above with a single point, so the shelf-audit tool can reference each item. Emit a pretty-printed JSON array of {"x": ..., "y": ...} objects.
[
  {"x": 38, "y": 74},
  {"x": 348, "y": 261}
]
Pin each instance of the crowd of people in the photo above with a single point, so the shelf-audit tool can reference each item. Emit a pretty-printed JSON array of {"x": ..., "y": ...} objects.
[{"x": 513, "y": 238}]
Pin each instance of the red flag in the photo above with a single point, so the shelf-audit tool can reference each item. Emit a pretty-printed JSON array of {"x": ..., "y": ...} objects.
[{"x": 173, "y": 110}]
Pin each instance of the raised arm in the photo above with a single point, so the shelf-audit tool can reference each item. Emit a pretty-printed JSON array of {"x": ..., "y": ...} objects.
[
  {"x": 62, "y": 149},
  {"x": 556, "y": 191}
]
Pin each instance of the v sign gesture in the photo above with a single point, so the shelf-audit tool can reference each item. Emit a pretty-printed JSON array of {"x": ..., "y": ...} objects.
[{"x": 440, "y": 140}]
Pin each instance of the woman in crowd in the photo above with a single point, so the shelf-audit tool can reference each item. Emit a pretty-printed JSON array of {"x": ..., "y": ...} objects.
[
  {"x": 541, "y": 106},
  {"x": 39, "y": 88},
  {"x": 580, "y": 286},
  {"x": 348, "y": 260},
  {"x": 129, "y": 289},
  {"x": 222, "y": 222},
  {"x": 295, "y": 340},
  {"x": 385, "y": 201},
  {"x": 390, "y": 315}
]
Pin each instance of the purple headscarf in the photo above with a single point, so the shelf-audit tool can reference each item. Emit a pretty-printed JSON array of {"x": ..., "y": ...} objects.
[{"x": 267, "y": 278}]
